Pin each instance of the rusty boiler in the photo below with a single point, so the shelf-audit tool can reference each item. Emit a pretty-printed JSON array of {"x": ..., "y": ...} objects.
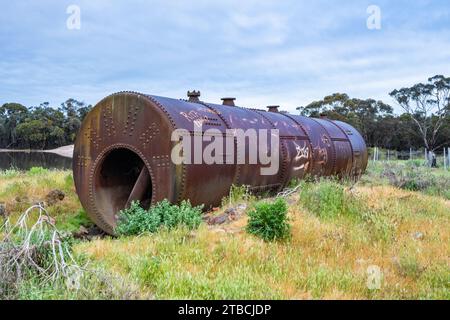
[{"x": 123, "y": 152}]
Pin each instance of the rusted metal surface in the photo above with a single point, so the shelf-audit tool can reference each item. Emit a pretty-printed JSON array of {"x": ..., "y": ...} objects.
[{"x": 123, "y": 152}]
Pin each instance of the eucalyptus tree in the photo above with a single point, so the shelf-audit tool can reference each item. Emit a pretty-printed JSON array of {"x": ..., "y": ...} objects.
[
  {"x": 428, "y": 105},
  {"x": 365, "y": 115}
]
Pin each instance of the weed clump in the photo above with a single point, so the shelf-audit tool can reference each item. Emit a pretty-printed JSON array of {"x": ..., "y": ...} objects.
[
  {"x": 34, "y": 171},
  {"x": 328, "y": 199},
  {"x": 136, "y": 220},
  {"x": 409, "y": 266},
  {"x": 269, "y": 221},
  {"x": 237, "y": 194}
]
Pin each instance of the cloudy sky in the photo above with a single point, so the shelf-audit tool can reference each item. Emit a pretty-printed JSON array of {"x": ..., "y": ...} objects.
[{"x": 262, "y": 52}]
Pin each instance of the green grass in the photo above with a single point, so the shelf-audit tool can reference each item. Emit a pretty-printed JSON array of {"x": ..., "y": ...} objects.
[
  {"x": 10, "y": 173},
  {"x": 410, "y": 175},
  {"x": 328, "y": 199},
  {"x": 338, "y": 230},
  {"x": 73, "y": 222}
]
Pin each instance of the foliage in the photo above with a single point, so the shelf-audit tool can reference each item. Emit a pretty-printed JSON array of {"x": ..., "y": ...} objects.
[
  {"x": 269, "y": 221},
  {"x": 136, "y": 220},
  {"x": 425, "y": 121},
  {"x": 428, "y": 105},
  {"x": 34, "y": 171},
  {"x": 362, "y": 114},
  {"x": 40, "y": 127}
]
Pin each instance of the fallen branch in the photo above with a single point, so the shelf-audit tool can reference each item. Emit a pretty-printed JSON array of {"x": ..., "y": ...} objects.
[{"x": 38, "y": 247}]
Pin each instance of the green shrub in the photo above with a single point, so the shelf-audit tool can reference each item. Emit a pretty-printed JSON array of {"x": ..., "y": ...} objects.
[
  {"x": 34, "y": 171},
  {"x": 136, "y": 220},
  {"x": 269, "y": 221}
]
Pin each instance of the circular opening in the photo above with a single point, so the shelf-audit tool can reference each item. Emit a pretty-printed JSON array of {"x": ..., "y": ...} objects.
[{"x": 121, "y": 177}]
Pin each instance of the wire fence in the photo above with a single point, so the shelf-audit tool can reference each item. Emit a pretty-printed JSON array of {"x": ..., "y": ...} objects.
[{"x": 438, "y": 158}]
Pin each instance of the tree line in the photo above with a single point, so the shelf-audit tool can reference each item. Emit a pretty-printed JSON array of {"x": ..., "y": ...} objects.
[
  {"x": 424, "y": 122},
  {"x": 41, "y": 127}
]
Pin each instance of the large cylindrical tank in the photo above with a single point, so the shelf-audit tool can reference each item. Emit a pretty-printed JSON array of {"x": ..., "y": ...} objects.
[{"x": 123, "y": 152}]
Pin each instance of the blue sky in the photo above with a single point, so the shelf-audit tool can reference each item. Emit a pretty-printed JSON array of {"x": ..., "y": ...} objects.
[{"x": 262, "y": 52}]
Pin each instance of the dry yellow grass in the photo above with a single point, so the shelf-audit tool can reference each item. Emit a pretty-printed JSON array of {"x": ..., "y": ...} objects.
[
  {"x": 407, "y": 237},
  {"x": 19, "y": 190},
  {"x": 326, "y": 259}
]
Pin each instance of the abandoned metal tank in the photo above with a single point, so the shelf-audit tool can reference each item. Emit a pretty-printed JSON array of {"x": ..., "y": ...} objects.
[{"x": 124, "y": 152}]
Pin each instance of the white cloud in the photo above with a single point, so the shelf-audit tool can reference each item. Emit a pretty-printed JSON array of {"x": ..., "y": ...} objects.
[{"x": 262, "y": 52}]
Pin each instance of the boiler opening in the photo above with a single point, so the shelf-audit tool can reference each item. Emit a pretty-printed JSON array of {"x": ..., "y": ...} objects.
[{"x": 121, "y": 178}]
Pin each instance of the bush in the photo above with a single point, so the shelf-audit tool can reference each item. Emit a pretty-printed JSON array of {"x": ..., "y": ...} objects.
[
  {"x": 34, "y": 171},
  {"x": 269, "y": 221},
  {"x": 135, "y": 220}
]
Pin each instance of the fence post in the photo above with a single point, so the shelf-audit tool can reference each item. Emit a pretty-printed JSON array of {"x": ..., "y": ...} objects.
[
  {"x": 445, "y": 161},
  {"x": 448, "y": 156}
]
